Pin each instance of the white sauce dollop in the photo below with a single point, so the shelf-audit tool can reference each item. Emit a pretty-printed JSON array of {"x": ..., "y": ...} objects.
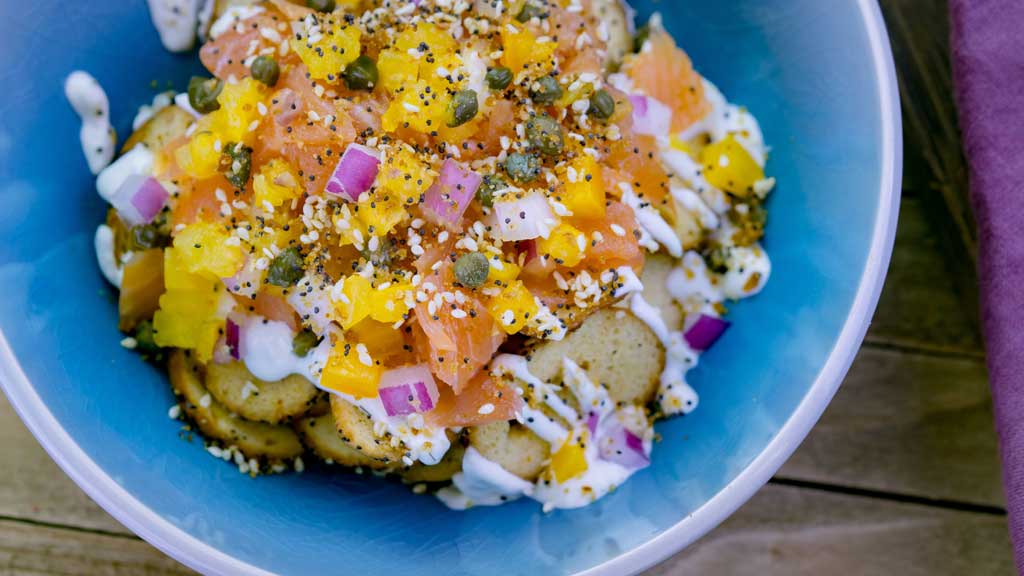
[
  {"x": 99, "y": 142},
  {"x": 482, "y": 483},
  {"x": 176, "y": 22},
  {"x": 744, "y": 262},
  {"x": 232, "y": 16},
  {"x": 136, "y": 162},
  {"x": 103, "y": 243}
]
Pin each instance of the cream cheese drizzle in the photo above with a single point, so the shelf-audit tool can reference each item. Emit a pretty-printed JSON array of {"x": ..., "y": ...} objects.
[
  {"x": 176, "y": 21},
  {"x": 97, "y": 137},
  {"x": 674, "y": 394},
  {"x": 482, "y": 483},
  {"x": 103, "y": 244}
]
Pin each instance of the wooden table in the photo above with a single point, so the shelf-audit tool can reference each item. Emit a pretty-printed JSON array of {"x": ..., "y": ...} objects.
[{"x": 901, "y": 476}]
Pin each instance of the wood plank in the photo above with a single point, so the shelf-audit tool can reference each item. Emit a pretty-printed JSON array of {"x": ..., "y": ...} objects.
[
  {"x": 37, "y": 550},
  {"x": 36, "y": 488},
  {"x": 920, "y": 306},
  {"x": 792, "y": 532},
  {"x": 934, "y": 164},
  {"x": 909, "y": 424}
]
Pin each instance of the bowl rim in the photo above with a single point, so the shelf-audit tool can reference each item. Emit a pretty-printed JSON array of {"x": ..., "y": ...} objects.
[{"x": 207, "y": 559}]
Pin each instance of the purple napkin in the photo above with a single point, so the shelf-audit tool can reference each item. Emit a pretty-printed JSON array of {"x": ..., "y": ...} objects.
[{"x": 988, "y": 65}]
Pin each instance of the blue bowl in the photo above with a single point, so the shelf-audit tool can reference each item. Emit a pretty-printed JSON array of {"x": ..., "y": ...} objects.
[{"x": 817, "y": 74}]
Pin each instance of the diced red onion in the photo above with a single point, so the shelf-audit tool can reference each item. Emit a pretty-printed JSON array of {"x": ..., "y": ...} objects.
[
  {"x": 355, "y": 172},
  {"x": 705, "y": 331},
  {"x": 408, "y": 390},
  {"x": 139, "y": 199},
  {"x": 592, "y": 420},
  {"x": 448, "y": 197},
  {"x": 621, "y": 446},
  {"x": 523, "y": 218},
  {"x": 232, "y": 333},
  {"x": 650, "y": 117}
]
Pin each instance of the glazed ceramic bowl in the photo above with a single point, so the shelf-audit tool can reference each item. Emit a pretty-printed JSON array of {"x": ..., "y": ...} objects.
[{"x": 817, "y": 74}]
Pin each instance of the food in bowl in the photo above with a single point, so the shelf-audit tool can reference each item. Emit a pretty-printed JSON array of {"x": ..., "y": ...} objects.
[{"x": 475, "y": 246}]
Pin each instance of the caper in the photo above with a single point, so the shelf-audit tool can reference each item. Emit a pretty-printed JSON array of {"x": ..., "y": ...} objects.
[
  {"x": 717, "y": 259},
  {"x": 471, "y": 269},
  {"x": 545, "y": 134},
  {"x": 321, "y": 5},
  {"x": 522, "y": 167},
  {"x": 236, "y": 163},
  {"x": 146, "y": 236},
  {"x": 602, "y": 105},
  {"x": 361, "y": 74},
  {"x": 304, "y": 342},
  {"x": 489, "y": 187},
  {"x": 530, "y": 11},
  {"x": 266, "y": 70},
  {"x": 462, "y": 108},
  {"x": 748, "y": 220},
  {"x": 498, "y": 78},
  {"x": 145, "y": 342},
  {"x": 382, "y": 256},
  {"x": 203, "y": 93},
  {"x": 287, "y": 269},
  {"x": 546, "y": 90},
  {"x": 641, "y": 37}
]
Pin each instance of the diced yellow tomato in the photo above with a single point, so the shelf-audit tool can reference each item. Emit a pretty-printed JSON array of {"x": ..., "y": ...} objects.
[
  {"x": 681, "y": 145},
  {"x": 513, "y": 307},
  {"x": 521, "y": 50},
  {"x": 347, "y": 374},
  {"x": 276, "y": 183},
  {"x": 396, "y": 70},
  {"x": 356, "y": 304},
  {"x": 177, "y": 276},
  {"x": 437, "y": 41},
  {"x": 569, "y": 461},
  {"x": 404, "y": 175},
  {"x": 141, "y": 287},
  {"x": 565, "y": 245},
  {"x": 729, "y": 167},
  {"x": 389, "y": 305},
  {"x": 584, "y": 190},
  {"x": 502, "y": 272},
  {"x": 335, "y": 48},
  {"x": 192, "y": 310},
  {"x": 188, "y": 320},
  {"x": 238, "y": 110},
  {"x": 199, "y": 157},
  {"x": 380, "y": 339},
  {"x": 380, "y": 213},
  {"x": 207, "y": 248},
  {"x": 421, "y": 110}
]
